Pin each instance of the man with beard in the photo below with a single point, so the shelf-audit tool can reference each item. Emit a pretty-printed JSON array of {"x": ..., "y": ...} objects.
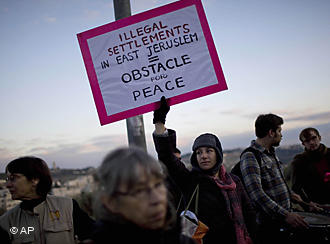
[
  {"x": 311, "y": 169},
  {"x": 265, "y": 183}
]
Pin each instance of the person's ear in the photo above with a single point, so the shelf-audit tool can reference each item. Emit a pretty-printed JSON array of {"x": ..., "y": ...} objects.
[
  {"x": 271, "y": 133},
  {"x": 35, "y": 181}
]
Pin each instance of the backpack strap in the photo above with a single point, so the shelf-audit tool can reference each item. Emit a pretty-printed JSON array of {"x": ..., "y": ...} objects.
[{"x": 255, "y": 152}]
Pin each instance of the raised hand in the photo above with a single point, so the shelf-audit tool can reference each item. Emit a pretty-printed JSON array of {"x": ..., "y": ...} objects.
[{"x": 161, "y": 112}]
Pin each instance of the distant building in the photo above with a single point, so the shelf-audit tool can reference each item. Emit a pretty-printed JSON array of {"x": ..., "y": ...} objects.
[
  {"x": 55, "y": 168},
  {"x": 74, "y": 187}
]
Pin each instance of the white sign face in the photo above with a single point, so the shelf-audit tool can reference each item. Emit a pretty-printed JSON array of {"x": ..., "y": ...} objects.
[{"x": 133, "y": 62}]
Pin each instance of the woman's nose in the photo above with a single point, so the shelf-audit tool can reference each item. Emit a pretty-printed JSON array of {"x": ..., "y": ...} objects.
[
  {"x": 204, "y": 155},
  {"x": 156, "y": 196}
]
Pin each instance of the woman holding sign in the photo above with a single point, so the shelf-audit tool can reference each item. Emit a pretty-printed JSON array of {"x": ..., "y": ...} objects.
[{"x": 222, "y": 201}]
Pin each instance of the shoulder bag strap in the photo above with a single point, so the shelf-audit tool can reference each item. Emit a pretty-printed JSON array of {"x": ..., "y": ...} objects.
[{"x": 196, "y": 191}]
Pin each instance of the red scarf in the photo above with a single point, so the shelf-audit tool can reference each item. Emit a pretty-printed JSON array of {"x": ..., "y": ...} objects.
[{"x": 233, "y": 205}]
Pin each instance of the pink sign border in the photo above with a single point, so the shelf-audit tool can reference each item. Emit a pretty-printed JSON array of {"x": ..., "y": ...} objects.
[{"x": 84, "y": 36}]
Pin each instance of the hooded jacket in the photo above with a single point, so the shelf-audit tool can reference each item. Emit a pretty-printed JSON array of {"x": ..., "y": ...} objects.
[{"x": 211, "y": 203}]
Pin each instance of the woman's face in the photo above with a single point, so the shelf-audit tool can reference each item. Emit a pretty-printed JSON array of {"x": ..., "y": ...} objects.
[
  {"x": 206, "y": 157},
  {"x": 145, "y": 204},
  {"x": 20, "y": 187}
]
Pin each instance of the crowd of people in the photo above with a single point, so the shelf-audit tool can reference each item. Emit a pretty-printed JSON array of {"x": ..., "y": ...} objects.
[{"x": 139, "y": 199}]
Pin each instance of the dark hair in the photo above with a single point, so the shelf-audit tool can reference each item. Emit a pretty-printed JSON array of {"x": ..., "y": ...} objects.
[
  {"x": 266, "y": 122},
  {"x": 305, "y": 133},
  {"x": 33, "y": 168}
]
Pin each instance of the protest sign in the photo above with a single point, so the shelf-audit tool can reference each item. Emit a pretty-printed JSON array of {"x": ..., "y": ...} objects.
[{"x": 168, "y": 51}]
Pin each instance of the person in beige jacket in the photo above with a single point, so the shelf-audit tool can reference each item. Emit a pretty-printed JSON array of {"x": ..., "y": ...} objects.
[{"x": 40, "y": 218}]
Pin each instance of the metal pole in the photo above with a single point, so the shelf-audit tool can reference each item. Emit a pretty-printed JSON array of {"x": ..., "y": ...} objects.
[
  {"x": 135, "y": 125},
  {"x": 122, "y": 8}
]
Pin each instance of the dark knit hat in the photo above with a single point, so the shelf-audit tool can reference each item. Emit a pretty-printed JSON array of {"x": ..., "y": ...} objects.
[{"x": 207, "y": 140}]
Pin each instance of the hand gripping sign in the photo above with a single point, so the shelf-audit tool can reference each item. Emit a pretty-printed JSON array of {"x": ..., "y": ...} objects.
[{"x": 168, "y": 51}]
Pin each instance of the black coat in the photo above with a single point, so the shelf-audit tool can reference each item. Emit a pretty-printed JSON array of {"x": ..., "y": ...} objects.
[
  {"x": 127, "y": 233},
  {"x": 306, "y": 180},
  {"x": 211, "y": 203}
]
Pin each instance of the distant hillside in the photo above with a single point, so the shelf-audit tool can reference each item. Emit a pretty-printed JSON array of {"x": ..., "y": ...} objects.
[
  {"x": 285, "y": 154},
  {"x": 63, "y": 175}
]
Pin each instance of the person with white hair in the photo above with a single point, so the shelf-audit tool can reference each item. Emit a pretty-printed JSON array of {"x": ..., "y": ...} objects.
[{"x": 131, "y": 202}]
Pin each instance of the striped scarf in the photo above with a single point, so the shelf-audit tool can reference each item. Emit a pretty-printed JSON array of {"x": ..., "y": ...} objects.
[{"x": 234, "y": 209}]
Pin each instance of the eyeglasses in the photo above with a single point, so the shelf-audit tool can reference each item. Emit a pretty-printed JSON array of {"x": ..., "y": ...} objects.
[{"x": 143, "y": 191}]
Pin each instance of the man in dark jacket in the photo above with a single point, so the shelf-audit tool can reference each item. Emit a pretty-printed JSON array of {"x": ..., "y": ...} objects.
[{"x": 311, "y": 169}]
